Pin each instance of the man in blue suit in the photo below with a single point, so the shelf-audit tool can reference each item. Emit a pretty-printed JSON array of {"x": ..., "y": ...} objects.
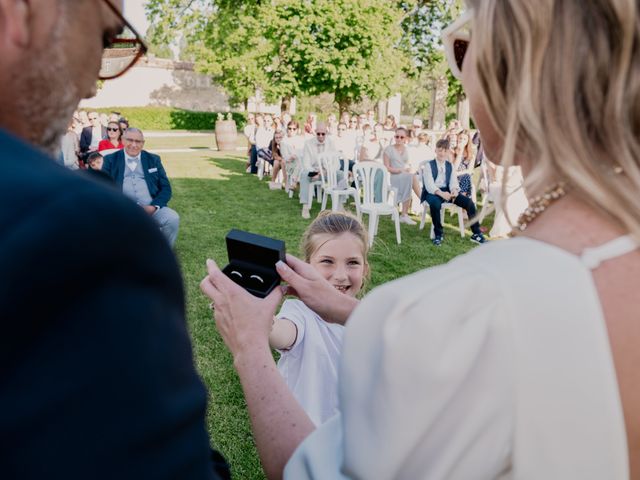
[
  {"x": 142, "y": 178},
  {"x": 97, "y": 379}
]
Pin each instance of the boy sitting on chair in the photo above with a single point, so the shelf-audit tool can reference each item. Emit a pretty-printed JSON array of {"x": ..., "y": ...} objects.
[{"x": 440, "y": 184}]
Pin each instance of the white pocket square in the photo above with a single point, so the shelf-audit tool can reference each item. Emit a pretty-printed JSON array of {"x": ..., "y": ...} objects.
[{"x": 153, "y": 170}]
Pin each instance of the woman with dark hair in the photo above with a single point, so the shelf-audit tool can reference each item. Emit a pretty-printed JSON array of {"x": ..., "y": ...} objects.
[
  {"x": 277, "y": 161},
  {"x": 114, "y": 138}
]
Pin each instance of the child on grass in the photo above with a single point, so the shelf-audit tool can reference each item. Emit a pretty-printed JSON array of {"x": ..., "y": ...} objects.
[{"x": 336, "y": 245}]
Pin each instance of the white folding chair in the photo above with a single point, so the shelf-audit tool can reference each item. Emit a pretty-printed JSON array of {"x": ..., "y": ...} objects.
[
  {"x": 489, "y": 195},
  {"x": 445, "y": 206},
  {"x": 331, "y": 186},
  {"x": 365, "y": 177}
]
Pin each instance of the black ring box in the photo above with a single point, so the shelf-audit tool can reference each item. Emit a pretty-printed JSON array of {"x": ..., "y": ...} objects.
[{"x": 253, "y": 257}]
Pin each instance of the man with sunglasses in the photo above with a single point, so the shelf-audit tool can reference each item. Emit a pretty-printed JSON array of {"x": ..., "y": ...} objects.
[
  {"x": 91, "y": 136},
  {"x": 96, "y": 384},
  {"x": 313, "y": 149}
]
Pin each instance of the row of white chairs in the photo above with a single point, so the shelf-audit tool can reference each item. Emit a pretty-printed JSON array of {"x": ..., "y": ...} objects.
[{"x": 368, "y": 176}]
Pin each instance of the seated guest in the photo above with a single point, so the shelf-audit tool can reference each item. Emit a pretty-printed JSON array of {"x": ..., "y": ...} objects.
[
  {"x": 114, "y": 137},
  {"x": 95, "y": 161},
  {"x": 91, "y": 135},
  {"x": 403, "y": 177},
  {"x": 141, "y": 176},
  {"x": 345, "y": 143},
  {"x": 69, "y": 148},
  {"x": 291, "y": 148},
  {"x": 441, "y": 185},
  {"x": 264, "y": 135},
  {"x": 276, "y": 161},
  {"x": 310, "y": 170},
  {"x": 463, "y": 162}
]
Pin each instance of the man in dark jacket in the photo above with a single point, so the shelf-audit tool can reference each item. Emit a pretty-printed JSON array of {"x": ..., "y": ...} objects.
[
  {"x": 142, "y": 178},
  {"x": 100, "y": 385}
]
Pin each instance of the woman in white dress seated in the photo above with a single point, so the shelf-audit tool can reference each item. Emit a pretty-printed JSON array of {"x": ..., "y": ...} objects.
[{"x": 528, "y": 368}]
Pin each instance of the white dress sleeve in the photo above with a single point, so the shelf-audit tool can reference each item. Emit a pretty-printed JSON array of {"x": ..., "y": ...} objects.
[
  {"x": 294, "y": 311},
  {"x": 426, "y": 387}
]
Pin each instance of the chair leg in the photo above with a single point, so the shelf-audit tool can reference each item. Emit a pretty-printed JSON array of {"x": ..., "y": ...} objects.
[
  {"x": 324, "y": 200},
  {"x": 396, "y": 219},
  {"x": 372, "y": 219},
  {"x": 425, "y": 205},
  {"x": 335, "y": 202},
  {"x": 356, "y": 200},
  {"x": 461, "y": 221}
]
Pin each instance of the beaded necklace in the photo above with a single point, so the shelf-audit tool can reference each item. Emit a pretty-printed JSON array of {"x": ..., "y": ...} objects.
[{"x": 539, "y": 204}]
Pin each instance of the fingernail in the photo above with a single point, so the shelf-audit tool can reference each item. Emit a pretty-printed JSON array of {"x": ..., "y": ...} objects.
[
  {"x": 280, "y": 264},
  {"x": 210, "y": 262}
]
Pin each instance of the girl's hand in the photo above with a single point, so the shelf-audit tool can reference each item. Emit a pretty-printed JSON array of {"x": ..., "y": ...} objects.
[{"x": 244, "y": 321}]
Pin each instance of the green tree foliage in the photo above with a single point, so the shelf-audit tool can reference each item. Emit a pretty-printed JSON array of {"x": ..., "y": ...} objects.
[{"x": 290, "y": 47}]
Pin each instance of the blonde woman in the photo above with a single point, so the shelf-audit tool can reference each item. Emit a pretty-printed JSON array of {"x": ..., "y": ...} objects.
[{"x": 534, "y": 375}]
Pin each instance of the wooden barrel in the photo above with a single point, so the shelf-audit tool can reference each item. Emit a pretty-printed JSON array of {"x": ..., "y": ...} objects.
[{"x": 226, "y": 134}]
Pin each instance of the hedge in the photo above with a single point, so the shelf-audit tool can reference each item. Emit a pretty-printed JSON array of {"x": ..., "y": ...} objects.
[{"x": 167, "y": 118}]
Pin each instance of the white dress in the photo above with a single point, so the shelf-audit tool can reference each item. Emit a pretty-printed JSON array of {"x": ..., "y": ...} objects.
[
  {"x": 496, "y": 365},
  {"x": 310, "y": 366}
]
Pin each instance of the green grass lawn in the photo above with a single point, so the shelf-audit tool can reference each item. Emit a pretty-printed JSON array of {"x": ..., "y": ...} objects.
[
  {"x": 208, "y": 140},
  {"x": 212, "y": 194}
]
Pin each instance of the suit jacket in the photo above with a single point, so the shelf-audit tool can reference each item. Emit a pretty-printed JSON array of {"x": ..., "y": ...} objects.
[
  {"x": 86, "y": 137},
  {"x": 154, "y": 175},
  {"x": 96, "y": 372}
]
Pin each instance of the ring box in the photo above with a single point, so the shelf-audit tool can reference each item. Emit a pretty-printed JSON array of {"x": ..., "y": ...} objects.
[{"x": 252, "y": 261}]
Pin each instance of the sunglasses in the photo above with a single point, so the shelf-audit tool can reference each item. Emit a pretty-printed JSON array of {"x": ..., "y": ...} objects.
[
  {"x": 457, "y": 38},
  {"x": 111, "y": 129},
  {"x": 399, "y": 137},
  {"x": 121, "y": 50},
  {"x": 292, "y": 129},
  {"x": 320, "y": 134}
]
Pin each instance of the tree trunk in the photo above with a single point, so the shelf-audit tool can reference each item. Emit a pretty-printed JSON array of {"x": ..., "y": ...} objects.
[
  {"x": 437, "y": 119},
  {"x": 463, "y": 112},
  {"x": 343, "y": 106},
  {"x": 285, "y": 104}
]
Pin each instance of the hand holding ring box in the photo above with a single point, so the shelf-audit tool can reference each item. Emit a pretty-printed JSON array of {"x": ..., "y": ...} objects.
[{"x": 252, "y": 261}]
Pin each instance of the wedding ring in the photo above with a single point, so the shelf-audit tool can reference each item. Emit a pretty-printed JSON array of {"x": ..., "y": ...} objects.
[
  {"x": 235, "y": 272},
  {"x": 257, "y": 277}
]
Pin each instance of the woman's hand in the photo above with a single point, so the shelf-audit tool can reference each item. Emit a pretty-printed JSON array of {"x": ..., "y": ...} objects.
[
  {"x": 306, "y": 283},
  {"x": 243, "y": 320}
]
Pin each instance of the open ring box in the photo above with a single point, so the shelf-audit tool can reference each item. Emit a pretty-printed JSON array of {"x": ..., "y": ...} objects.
[{"x": 252, "y": 261}]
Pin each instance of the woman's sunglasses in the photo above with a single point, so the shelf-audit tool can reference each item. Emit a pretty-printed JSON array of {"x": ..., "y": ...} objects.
[{"x": 456, "y": 38}]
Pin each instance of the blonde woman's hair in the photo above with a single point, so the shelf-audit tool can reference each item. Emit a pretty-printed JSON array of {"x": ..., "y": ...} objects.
[{"x": 560, "y": 80}]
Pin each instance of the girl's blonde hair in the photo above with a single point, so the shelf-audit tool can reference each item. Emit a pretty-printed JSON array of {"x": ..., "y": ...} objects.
[
  {"x": 332, "y": 223},
  {"x": 560, "y": 81}
]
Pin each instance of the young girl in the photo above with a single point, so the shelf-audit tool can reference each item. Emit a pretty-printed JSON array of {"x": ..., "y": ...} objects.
[{"x": 336, "y": 245}]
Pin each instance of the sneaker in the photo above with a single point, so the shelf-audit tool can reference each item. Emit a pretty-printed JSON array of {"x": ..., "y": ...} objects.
[
  {"x": 478, "y": 238},
  {"x": 305, "y": 211},
  {"x": 248, "y": 170},
  {"x": 437, "y": 241},
  {"x": 275, "y": 185},
  {"x": 406, "y": 219}
]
